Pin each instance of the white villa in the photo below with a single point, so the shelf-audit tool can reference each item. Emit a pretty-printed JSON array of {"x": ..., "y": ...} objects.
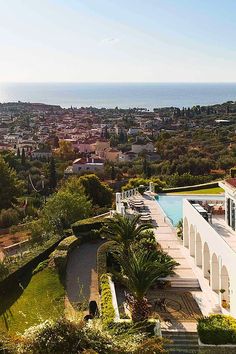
[
  {"x": 207, "y": 254},
  {"x": 209, "y": 235}
]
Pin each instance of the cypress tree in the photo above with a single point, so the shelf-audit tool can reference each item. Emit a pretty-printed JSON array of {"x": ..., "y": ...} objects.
[
  {"x": 52, "y": 174},
  {"x": 18, "y": 153},
  {"x": 23, "y": 157},
  {"x": 113, "y": 172}
]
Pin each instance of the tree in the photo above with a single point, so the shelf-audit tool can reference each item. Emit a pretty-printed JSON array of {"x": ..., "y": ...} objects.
[
  {"x": 99, "y": 193},
  {"x": 64, "y": 208},
  {"x": 124, "y": 230},
  {"x": 18, "y": 153},
  {"x": 52, "y": 174},
  {"x": 113, "y": 172},
  {"x": 23, "y": 157},
  {"x": 66, "y": 150},
  {"x": 11, "y": 187},
  {"x": 140, "y": 270},
  {"x": 56, "y": 142}
]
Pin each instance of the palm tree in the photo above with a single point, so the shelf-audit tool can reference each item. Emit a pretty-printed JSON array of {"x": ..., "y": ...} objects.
[
  {"x": 124, "y": 230},
  {"x": 140, "y": 269}
]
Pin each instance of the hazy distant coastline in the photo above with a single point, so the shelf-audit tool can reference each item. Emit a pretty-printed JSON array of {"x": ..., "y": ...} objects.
[{"x": 123, "y": 95}]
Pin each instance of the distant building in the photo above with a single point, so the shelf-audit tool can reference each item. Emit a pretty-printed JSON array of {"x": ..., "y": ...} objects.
[
  {"x": 38, "y": 154},
  {"x": 85, "y": 164},
  {"x": 101, "y": 146},
  {"x": 112, "y": 154},
  {"x": 127, "y": 156},
  {"x": 134, "y": 131},
  {"x": 86, "y": 146},
  {"x": 141, "y": 145}
]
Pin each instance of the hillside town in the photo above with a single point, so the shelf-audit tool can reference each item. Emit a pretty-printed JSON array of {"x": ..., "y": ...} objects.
[{"x": 99, "y": 135}]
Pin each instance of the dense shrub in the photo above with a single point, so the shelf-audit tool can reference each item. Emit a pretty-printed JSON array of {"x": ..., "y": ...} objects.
[
  {"x": 4, "y": 271},
  {"x": 108, "y": 312},
  {"x": 42, "y": 265},
  {"x": 136, "y": 182},
  {"x": 60, "y": 256},
  {"x": 63, "y": 337},
  {"x": 29, "y": 260},
  {"x": 9, "y": 217},
  {"x": 81, "y": 227},
  {"x": 98, "y": 192},
  {"x": 102, "y": 257},
  {"x": 151, "y": 346},
  {"x": 68, "y": 243},
  {"x": 217, "y": 329}
]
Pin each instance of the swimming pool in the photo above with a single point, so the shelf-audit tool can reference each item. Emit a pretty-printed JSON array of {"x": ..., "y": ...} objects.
[{"x": 172, "y": 205}]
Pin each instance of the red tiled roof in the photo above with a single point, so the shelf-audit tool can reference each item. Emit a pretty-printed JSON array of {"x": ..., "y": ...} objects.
[{"x": 232, "y": 182}]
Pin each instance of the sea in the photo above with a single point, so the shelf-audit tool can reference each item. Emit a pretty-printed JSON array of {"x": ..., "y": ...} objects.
[{"x": 122, "y": 95}]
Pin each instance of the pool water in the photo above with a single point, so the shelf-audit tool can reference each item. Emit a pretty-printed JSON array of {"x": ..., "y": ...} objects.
[{"x": 172, "y": 205}]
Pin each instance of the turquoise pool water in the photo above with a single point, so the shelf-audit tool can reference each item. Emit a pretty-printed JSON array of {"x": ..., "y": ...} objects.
[{"x": 172, "y": 205}]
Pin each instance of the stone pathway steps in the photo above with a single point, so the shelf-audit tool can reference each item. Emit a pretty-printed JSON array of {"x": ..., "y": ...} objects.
[{"x": 182, "y": 342}]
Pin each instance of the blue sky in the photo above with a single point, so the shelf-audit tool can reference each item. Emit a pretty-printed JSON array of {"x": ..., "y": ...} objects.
[{"x": 118, "y": 40}]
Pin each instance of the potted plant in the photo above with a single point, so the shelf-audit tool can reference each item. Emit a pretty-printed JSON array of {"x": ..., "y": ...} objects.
[
  {"x": 223, "y": 301},
  {"x": 142, "y": 189}
]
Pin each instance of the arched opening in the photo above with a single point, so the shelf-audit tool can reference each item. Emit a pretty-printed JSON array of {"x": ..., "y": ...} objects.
[
  {"x": 192, "y": 241},
  {"x": 215, "y": 275},
  {"x": 198, "y": 250},
  {"x": 185, "y": 233},
  {"x": 206, "y": 261},
  {"x": 225, "y": 287}
]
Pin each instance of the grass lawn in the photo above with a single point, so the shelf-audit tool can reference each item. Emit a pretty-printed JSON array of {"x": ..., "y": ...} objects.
[
  {"x": 42, "y": 299},
  {"x": 216, "y": 190}
]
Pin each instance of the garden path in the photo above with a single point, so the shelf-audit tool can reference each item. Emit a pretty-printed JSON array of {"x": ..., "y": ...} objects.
[{"x": 81, "y": 277}]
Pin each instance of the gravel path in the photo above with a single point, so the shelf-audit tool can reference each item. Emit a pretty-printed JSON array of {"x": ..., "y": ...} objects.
[{"x": 81, "y": 275}]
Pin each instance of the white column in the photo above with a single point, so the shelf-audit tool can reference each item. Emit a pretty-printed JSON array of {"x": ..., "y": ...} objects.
[
  {"x": 118, "y": 202},
  {"x": 151, "y": 187},
  {"x": 214, "y": 275}
]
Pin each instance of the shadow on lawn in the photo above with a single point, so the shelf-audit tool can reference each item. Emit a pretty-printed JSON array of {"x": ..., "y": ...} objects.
[{"x": 10, "y": 294}]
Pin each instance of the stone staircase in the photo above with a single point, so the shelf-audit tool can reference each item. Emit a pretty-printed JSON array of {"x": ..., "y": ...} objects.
[
  {"x": 189, "y": 283},
  {"x": 181, "y": 342}
]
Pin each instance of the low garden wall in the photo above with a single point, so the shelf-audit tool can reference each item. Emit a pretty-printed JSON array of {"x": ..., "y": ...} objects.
[{"x": 29, "y": 265}]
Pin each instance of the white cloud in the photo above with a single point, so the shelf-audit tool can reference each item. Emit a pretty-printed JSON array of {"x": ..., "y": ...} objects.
[{"x": 109, "y": 40}]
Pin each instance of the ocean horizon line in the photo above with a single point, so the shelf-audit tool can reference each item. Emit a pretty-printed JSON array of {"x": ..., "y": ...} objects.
[{"x": 119, "y": 82}]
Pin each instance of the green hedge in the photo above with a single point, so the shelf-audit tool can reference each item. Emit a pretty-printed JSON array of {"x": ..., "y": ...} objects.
[
  {"x": 28, "y": 261},
  {"x": 108, "y": 312},
  {"x": 60, "y": 256},
  {"x": 69, "y": 243},
  {"x": 102, "y": 257},
  {"x": 217, "y": 329},
  {"x": 83, "y": 227}
]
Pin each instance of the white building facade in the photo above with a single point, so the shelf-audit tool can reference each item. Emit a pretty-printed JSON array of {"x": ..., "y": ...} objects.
[{"x": 210, "y": 238}]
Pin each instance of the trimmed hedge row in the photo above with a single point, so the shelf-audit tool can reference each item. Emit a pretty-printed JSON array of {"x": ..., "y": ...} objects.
[
  {"x": 86, "y": 225},
  {"x": 68, "y": 243},
  {"x": 60, "y": 256},
  {"x": 217, "y": 329},
  {"x": 102, "y": 257},
  {"x": 29, "y": 262},
  {"x": 108, "y": 312}
]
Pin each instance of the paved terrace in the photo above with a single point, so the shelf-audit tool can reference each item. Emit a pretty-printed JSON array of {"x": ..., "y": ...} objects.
[{"x": 220, "y": 226}]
